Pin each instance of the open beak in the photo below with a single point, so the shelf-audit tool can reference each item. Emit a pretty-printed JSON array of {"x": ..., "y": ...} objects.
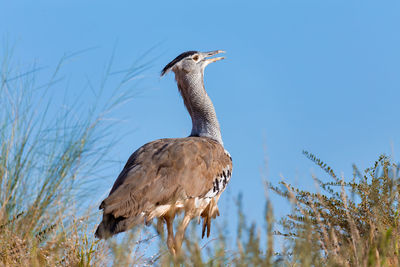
[{"x": 210, "y": 54}]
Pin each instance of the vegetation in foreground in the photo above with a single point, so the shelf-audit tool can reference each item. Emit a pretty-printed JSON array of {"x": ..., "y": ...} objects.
[{"x": 46, "y": 164}]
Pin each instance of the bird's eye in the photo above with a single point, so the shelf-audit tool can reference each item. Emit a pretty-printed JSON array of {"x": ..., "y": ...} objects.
[{"x": 196, "y": 58}]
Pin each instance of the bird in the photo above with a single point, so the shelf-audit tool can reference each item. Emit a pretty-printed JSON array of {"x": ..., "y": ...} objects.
[{"x": 166, "y": 177}]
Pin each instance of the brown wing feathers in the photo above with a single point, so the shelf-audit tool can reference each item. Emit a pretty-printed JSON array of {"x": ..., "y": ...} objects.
[{"x": 163, "y": 172}]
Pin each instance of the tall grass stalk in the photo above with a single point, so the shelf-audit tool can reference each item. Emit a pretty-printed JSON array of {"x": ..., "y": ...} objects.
[{"x": 49, "y": 157}]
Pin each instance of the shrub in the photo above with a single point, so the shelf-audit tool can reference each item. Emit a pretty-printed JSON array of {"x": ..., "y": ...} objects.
[{"x": 335, "y": 229}]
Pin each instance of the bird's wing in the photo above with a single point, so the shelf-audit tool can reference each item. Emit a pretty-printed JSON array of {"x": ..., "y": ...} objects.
[{"x": 167, "y": 170}]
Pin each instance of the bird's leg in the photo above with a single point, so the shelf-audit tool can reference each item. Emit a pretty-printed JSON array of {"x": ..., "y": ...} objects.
[
  {"x": 170, "y": 239},
  {"x": 181, "y": 232}
]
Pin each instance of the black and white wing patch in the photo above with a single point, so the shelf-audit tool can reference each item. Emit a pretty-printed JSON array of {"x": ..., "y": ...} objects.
[{"x": 220, "y": 182}]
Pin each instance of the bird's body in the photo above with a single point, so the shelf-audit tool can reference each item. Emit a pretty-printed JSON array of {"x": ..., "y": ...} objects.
[{"x": 168, "y": 176}]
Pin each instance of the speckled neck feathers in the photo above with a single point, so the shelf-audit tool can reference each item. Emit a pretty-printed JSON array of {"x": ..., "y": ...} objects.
[{"x": 199, "y": 105}]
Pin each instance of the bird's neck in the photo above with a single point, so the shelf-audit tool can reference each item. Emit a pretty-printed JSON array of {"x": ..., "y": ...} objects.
[{"x": 199, "y": 106}]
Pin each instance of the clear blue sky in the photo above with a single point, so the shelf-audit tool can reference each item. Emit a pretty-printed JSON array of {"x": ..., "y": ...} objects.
[{"x": 317, "y": 75}]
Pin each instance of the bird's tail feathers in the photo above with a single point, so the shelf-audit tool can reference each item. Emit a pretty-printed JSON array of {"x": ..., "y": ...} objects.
[{"x": 111, "y": 225}]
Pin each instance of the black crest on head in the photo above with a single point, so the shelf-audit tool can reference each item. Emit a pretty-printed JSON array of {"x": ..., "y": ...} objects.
[{"x": 176, "y": 60}]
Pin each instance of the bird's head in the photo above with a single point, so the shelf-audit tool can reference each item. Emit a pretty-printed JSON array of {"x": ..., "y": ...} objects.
[{"x": 191, "y": 62}]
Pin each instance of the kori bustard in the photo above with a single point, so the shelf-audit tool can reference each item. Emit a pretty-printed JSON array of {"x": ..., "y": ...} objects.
[{"x": 173, "y": 175}]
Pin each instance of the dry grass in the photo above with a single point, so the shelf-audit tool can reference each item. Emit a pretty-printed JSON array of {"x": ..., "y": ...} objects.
[{"x": 48, "y": 157}]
